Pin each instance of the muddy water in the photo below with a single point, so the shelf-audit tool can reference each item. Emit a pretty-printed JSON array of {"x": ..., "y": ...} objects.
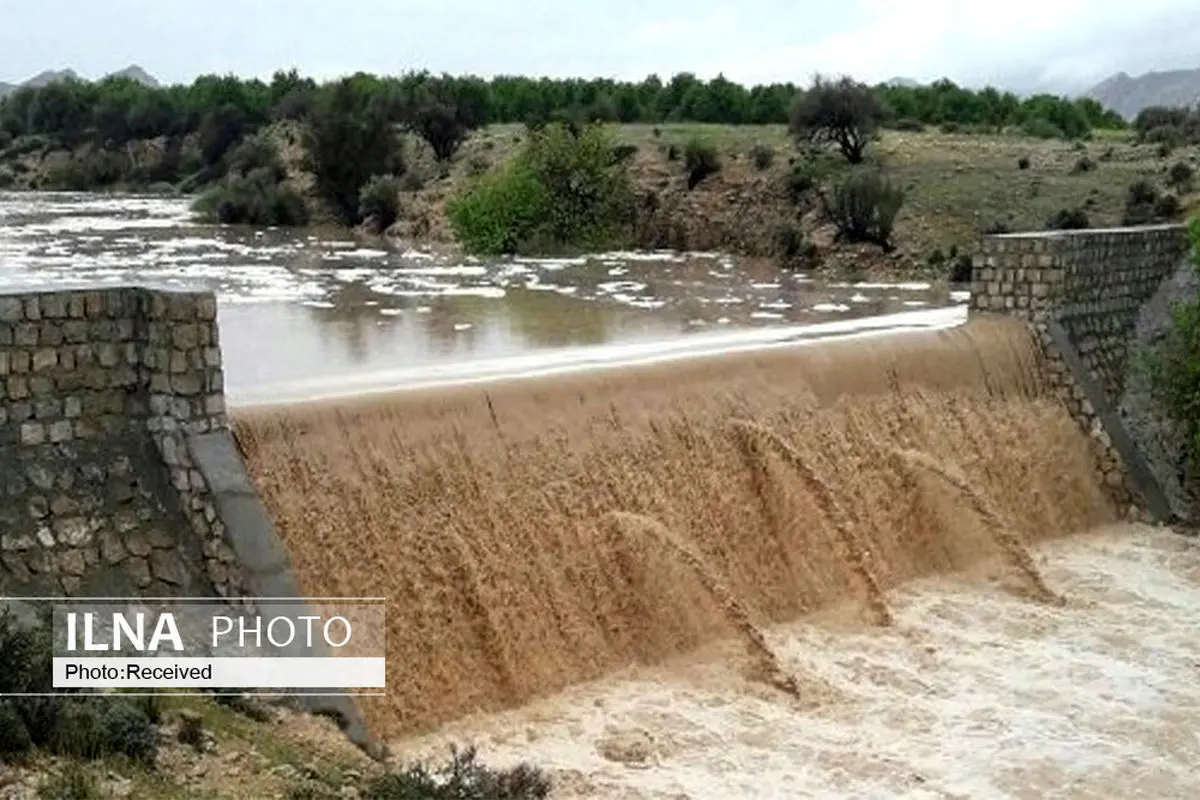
[
  {"x": 307, "y": 313},
  {"x": 974, "y": 693}
]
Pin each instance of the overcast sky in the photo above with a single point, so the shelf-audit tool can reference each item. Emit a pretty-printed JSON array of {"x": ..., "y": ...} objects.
[{"x": 1022, "y": 44}]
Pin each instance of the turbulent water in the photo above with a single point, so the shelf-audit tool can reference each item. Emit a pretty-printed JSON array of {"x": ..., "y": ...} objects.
[
  {"x": 315, "y": 312},
  {"x": 534, "y": 534}
]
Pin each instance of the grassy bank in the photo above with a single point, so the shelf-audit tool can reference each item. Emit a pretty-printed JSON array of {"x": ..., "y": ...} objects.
[{"x": 956, "y": 186}]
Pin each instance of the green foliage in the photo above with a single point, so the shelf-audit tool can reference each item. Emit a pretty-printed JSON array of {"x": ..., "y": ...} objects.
[
  {"x": 1180, "y": 176},
  {"x": 443, "y": 111},
  {"x": 1068, "y": 219},
  {"x": 790, "y": 246},
  {"x": 762, "y": 155},
  {"x": 1142, "y": 204},
  {"x": 863, "y": 208},
  {"x": 72, "y": 783},
  {"x": 1084, "y": 164},
  {"x": 350, "y": 138},
  {"x": 257, "y": 198},
  {"x": 1175, "y": 364},
  {"x": 843, "y": 113},
  {"x": 1041, "y": 128},
  {"x": 700, "y": 159},
  {"x": 561, "y": 191},
  {"x": 379, "y": 201},
  {"x": 908, "y": 124},
  {"x": 1172, "y": 127},
  {"x": 462, "y": 778}
]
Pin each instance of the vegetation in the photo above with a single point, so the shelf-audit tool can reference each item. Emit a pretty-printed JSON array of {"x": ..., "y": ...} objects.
[
  {"x": 1175, "y": 365},
  {"x": 254, "y": 190},
  {"x": 1169, "y": 127},
  {"x": 863, "y": 207},
  {"x": 844, "y": 114},
  {"x": 379, "y": 201},
  {"x": 565, "y": 189},
  {"x": 462, "y": 778},
  {"x": 700, "y": 159},
  {"x": 1068, "y": 219}
]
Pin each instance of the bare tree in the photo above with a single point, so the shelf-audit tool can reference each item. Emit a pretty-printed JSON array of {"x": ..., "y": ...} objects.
[{"x": 843, "y": 112}]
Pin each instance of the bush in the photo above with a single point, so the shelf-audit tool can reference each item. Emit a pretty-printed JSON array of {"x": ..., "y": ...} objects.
[
  {"x": 960, "y": 266},
  {"x": 1040, "y": 128},
  {"x": 910, "y": 124},
  {"x": 762, "y": 156},
  {"x": 463, "y": 778},
  {"x": 379, "y": 201},
  {"x": 14, "y": 736},
  {"x": 1084, "y": 164},
  {"x": 844, "y": 113},
  {"x": 413, "y": 181},
  {"x": 801, "y": 180},
  {"x": 559, "y": 191},
  {"x": 73, "y": 783},
  {"x": 1167, "y": 207},
  {"x": 996, "y": 228},
  {"x": 255, "y": 153},
  {"x": 1180, "y": 177},
  {"x": 1023, "y": 162},
  {"x": 1068, "y": 219},
  {"x": 700, "y": 159},
  {"x": 624, "y": 152},
  {"x": 672, "y": 153},
  {"x": 128, "y": 730},
  {"x": 253, "y": 199},
  {"x": 442, "y": 116},
  {"x": 789, "y": 245},
  {"x": 348, "y": 139},
  {"x": 950, "y": 128},
  {"x": 1141, "y": 200},
  {"x": 863, "y": 208},
  {"x": 1175, "y": 367}
]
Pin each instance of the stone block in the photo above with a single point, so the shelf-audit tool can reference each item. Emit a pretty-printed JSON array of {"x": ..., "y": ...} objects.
[
  {"x": 168, "y": 567},
  {"x": 33, "y": 434},
  {"x": 61, "y": 431},
  {"x": 11, "y": 309}
]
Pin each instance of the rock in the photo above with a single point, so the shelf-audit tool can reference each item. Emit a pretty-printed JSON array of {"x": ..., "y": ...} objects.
[
  {"x": 139, "y": 570},
  {"x": 16, "y": 543},
  {"x": 111, "y": 549},
  {"x": 167, "y": 566},
  {"x": 72, "y": 562},
  {"x": 137, "y": 544}
]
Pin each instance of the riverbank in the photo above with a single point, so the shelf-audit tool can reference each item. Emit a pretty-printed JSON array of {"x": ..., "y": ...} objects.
[{"x": 957, "y": 187}]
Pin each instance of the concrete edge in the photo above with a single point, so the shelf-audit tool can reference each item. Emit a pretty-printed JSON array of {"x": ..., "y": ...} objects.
[
  {"x": 263, "y": 558},
  {"x": 1135, "y": 463}
]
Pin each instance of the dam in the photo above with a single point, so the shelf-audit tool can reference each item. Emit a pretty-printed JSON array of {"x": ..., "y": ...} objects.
[{"x": 899, "y": 563}]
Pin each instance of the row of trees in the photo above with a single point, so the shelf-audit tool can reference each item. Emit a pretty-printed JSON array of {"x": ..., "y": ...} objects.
[{"x": 221, "y": 108}]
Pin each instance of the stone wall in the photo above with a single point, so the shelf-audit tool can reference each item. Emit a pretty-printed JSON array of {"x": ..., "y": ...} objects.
[
  {"x": 1084, "y": 293},
  {"x": 98, "y": 392}
]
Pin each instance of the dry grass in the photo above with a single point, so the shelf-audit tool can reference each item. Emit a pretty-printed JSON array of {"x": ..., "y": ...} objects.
[{"x": 486, "y": 516}]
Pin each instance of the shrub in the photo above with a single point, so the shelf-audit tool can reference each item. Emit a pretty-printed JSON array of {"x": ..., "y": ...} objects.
[
  {"x": 1180, "y": 177},
  {"x": 844, "y": 113},
  {"x": 559, "y": 191},
  {"x": 950, "y": 128},
  {"x": 1068, "y": 219},
  {"x": 1141, "y": 200},
  {"x": 348, "y": 139},
  {"x": 14, "y": 736},
  {"x": 1023, "y": 162},
  {"x": 801, "y": 179},
  {"x": 128, "y": 730},
  {"x": 700, "y": 159},
  {"x": 73, "y": 783},
  {"x": 438, "y": 114},
  {"x": 909, "y": 124},
  {"x": 762, "y": 156},
  {"x": 996, "y": 228},
  {"x": 253, "y": 199},
  {"x": 672, "y": 153},
  {"x": 863, "y": 208},
  {"x": 1174, "y": 367},
  {"x": 1084, "y": 164},
  {"x": 789, "y": 245},
  {"x": 462, "y": 778},
  {"x": 254, "y": 153},
  {"x": 624, "y": 152},
  {"x": 6, "y": 139},
  {"x": 413, "y": 181},
  {"x": 1165, "y": 149},
  {"x": 379, "y": 201},
  {"x": 960, "y": 266},
  {"x": 1040, "y": 128},
  {"x": 1167, "y": 207}
]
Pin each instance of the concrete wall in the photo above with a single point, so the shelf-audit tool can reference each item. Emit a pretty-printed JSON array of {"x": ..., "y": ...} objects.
[
  {"x": 1085, "y": 292},
  {"x": 98, "y": 393}
]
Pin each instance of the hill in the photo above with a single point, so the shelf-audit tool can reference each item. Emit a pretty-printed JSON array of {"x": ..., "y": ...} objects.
[
  {"x": 1127, "y": 95},
  {"x": 133, "y": 71}
]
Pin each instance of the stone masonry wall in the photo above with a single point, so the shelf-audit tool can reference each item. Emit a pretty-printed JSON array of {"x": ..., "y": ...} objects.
[
  {"x": 1092, "y": 286},
  {"x": 98, "y": 390}
]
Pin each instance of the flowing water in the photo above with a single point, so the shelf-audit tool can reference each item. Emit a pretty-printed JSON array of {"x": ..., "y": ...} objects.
[
  {"x": 316, "y": 312},
  {"x": 789, "y": 566}
]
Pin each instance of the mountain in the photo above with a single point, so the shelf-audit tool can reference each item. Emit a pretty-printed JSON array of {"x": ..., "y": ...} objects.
[
  {"x": 133, "y": 72},
  {"x": 1127, "y": 95}
]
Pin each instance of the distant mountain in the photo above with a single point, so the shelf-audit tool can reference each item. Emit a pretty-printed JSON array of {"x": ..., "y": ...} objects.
[
  {"x": 1127, "y": 96},
  {"x": 133, "y": 72}
]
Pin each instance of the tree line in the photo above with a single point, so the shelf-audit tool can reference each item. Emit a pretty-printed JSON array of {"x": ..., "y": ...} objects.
[{"x": 221, "y": 109}]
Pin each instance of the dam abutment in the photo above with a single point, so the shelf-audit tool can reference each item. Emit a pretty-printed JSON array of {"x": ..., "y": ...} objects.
[{"x": 1087, "y": 295}]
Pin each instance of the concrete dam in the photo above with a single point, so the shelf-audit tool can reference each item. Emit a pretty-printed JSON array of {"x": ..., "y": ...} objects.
[{"x": 534, "y": 535}]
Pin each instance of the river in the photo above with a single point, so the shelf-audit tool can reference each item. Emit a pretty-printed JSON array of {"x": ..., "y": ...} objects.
[{"x": 313, "y": 313}]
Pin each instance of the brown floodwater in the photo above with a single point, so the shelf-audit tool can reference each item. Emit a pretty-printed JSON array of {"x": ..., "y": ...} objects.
[{"x": 312, "y": 313}]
